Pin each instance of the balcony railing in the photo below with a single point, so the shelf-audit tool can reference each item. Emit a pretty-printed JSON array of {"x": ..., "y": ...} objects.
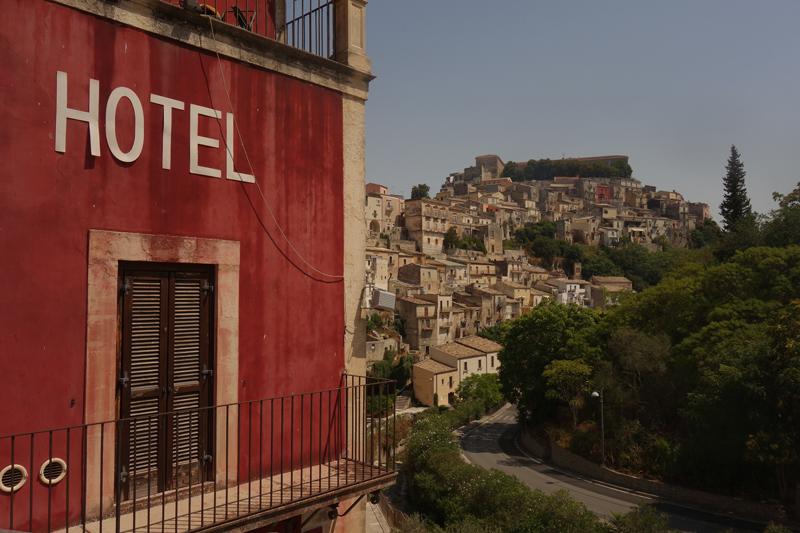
[
  {"x": 203, "y": 468},
  {"x": 310, "y": 26},
  {"x": 305, "y": 24}
]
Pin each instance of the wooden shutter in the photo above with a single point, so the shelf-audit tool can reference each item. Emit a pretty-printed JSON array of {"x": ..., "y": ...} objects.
[
  {"x": 144, "y": 365},
  {"x": 189, "y": 355},
  {"x": 165, "y": 349}
]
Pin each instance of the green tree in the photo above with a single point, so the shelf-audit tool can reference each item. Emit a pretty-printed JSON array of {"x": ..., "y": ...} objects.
[
  {"x": 544, "y": 228},
  {"x": 744, "y": 233},
  {"x": 546, "y": 249},
  {"x": 642, "y": 519},
  {"x": 472, "y": 243},
  {"x": 567, "y": 380},
  {"x": 374, "y": 322},
  {"x": 451, "y": 239},
  {"x": 401, "y": 371},
  {"x": 625, "y": 170},
  {"x": 735, "y": 204},
  {"x": 534, "y": 341},
  {"x": 482, "y": 387},
  {"x": 783, "y": 226},
  {"x": 511, "y": 170},
  {"x": 381, "y": 369},
  {"x": 420, "y": 191},
  {"x": 496, "y": 333}
]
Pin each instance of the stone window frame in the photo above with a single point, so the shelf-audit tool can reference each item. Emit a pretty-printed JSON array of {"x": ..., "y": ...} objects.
[{"x": 105, "y": 251}]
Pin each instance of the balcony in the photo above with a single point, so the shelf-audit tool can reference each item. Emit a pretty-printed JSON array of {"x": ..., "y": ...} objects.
[
  {"x": 305, "y": 24},
  {"x": 216, "y": 468}
]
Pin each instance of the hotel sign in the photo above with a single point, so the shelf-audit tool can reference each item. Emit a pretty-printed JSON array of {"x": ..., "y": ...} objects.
[{"x": 168, "y": 105}]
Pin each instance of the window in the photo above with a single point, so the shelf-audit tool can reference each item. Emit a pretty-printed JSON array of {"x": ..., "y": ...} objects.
[
  {"x": 436, "y": 241},
  {"x": 428, "y": 226},
  {"x": 436, "y": 212},
  {"x": 480, "y": 364},
  {"x": 465, "y": 366},
  {"x": 166, "y": 355},
  {"x": 454, "y": 219},
  {"x": 427, "y": 211},
  {"x": 442, "y": 381},
  {"x": 451, "y": 382},
  {"x": 427, "y": 350},
  {"x": 492, "y": 361},
  {"x": 429, "y": 240},
  {"x": 435, "y": 226}
]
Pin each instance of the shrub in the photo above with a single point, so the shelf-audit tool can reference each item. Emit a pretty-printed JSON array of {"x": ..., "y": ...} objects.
[
  {"x": 642, "y": 519},
  {"x": 379, "y": 405},
  {"x": 470, "y": 499}
]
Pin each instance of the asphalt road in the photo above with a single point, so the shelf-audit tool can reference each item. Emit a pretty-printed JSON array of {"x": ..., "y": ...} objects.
[{"x": 491, "y": 445}]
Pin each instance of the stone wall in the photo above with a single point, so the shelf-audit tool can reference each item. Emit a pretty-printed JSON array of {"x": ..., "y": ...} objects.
[
  {"x": 404, "y": 246},
  {"x": 375, "y": 349},
  {"x": 557, "y": 456}
]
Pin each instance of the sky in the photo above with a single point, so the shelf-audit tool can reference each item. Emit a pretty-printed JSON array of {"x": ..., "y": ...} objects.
[{"x": 671, "y": 84}]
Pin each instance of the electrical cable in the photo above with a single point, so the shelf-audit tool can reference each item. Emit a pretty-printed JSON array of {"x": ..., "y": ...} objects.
[{"x": 252, "y": 172}]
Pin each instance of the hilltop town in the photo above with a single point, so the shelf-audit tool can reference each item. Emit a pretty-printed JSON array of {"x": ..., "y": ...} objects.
[{"x": 441, "y": 295}]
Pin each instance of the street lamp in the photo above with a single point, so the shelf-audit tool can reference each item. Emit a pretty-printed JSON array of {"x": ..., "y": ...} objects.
[{"x": 599, "y": 394}]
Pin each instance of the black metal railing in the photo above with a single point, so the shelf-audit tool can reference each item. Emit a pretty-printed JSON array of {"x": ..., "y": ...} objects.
[
  {"x": 194, "y": 468},
  {"x": 305, "y": 24},
  {"x": 310, "y": 26}
]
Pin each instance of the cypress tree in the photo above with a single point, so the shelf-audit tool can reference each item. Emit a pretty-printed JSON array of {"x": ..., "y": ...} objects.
[{"x": 735, "y": 204}]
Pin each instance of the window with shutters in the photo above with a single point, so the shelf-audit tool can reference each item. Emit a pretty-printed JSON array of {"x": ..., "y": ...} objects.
[{"x": 166, "y": 376}]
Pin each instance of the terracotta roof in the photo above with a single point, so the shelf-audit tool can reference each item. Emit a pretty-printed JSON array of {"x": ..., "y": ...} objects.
[
  {"x": 613, "y": 288},
  {"x": 416, "y": 301},
  {"x": 403, "y": 283},
  {"x": 515, "y": 285},
  {"x": 479, "y": 343},
  {"x": 537, "y": 292},
  {"x": 434, "y": 366},
  {"x": 602, "y": 157},
  {"x": 459, "y": 351},
  {"x": 611, "y": 279},
  {"x": 488, "y": 291}
]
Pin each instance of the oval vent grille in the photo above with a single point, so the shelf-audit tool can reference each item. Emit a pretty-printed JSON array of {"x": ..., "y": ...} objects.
[
  {"x": 12, "y": 478},
  {"x": 52, "y": 471}
]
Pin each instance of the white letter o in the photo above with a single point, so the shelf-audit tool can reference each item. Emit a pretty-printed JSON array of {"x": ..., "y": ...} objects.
[{"x": 111, "y": 126}]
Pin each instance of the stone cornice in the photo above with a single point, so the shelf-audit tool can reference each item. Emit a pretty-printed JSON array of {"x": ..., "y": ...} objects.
[{"x": 193, "y": 29}]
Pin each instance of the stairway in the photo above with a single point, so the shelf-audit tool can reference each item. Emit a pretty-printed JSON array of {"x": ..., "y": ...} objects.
[{"x": 403, "y": 401}]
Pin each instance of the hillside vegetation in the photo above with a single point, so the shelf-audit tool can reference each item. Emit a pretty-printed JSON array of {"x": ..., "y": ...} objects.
[{"x": 700, "y": 371}]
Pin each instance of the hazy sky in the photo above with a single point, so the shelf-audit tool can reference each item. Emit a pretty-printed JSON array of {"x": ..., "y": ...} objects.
[{"x": 671, "y": 84}]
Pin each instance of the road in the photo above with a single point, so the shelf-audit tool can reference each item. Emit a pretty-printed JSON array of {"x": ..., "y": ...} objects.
[{"x": 491, "y": 445}]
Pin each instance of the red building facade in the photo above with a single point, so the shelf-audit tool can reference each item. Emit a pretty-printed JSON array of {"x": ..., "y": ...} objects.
[{"x": 174, "y": 237}]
